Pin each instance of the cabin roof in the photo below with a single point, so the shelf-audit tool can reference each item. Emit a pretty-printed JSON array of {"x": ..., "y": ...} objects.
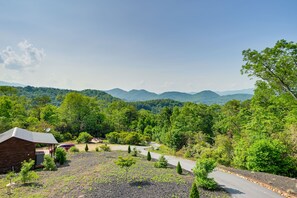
[{"x": 36, "y": 137}]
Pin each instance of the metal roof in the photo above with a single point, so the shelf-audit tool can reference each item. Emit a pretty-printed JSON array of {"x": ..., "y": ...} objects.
[{"x": 46, "y": 138}]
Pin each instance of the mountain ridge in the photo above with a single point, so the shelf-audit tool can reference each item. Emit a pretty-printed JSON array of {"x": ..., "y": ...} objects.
[{"x": 206, "y": 96}]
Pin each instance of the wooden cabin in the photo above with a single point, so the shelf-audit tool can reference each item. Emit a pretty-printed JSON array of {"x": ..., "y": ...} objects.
[{"x": 17, "y": 145}]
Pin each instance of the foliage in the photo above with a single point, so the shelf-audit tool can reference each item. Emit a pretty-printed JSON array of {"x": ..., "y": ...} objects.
[
  {"x": 194, "y": 191},
  {"x": 125, "y": 162},
  {"x": 161, "y": 163},
  {"x": 60, "y": 155},
  {"x": 10, "y": 175},
  {"x": 86, "y": 148},
  {"x": 135, "y": 152},
  {"x": 131, "y": 138},
  {"x": 276, "y": 66},
  {"x": 97, "y": 149},
  {"x": 105, "y": 148},
  {"x": 203, "y": 167},
  {"x": 49, "y": 163},
  {"x": 179, "y": 169},
  {"x": 26, "y": 175},
  {"x": 84, "y": 137},
  {"x": 73, "y": 149},
  {"x": 129, "y": 149},
  {"x": 270, "y": 156},
  {"x": 149, "y": 157}
]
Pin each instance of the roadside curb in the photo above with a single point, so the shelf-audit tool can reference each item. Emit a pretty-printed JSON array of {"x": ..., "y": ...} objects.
[{"x": 265, "y": 185}]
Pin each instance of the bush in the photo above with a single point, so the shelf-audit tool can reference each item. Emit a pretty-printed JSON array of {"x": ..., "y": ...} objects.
[
  {"x": 49, "y": 163},
  {"x": 194, "y": 191},
  {"x": 97, "y": 149},
  {"x": 26, "y": 174},
  {"x": 161, "y": 163},
  {"x": 105, "y": 148},
  {"x": 203, "y": 167},
  {"x": 270, "y": 156},
  {"x": 129, "y": 149},
  {"x": 149, "y": 157},
  {"x": 86, "y": 148},
  {"x": 60, "y": 155},
  {"x": 134, "y": 152},
  {"x": 179, "y": 169},
  {"x": 84, "y": 137},
  {"x": 113, "y": 137},
  {"x": 74, "y": 149},
  {"x": 131, "y": 138}
]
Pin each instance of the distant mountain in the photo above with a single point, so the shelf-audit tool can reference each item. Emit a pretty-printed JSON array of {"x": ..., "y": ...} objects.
[
  {"x": 241, "y": 91},
  {"x": 2, "y": 83},
  {"x": 206, "y": 97},
  {"x": 56, "y": 95}
]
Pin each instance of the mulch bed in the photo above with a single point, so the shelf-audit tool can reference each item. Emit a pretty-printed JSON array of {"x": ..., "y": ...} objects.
[{"x": 283, "y": 185}]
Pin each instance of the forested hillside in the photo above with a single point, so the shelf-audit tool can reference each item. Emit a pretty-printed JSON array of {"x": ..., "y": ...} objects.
[{"x": 259, "y": 134}]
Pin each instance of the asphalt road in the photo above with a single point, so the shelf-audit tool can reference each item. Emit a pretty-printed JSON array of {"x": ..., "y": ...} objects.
[{"x": 236, "y": 186}]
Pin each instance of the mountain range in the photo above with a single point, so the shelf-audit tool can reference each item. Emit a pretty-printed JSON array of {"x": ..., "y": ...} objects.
[{"x": 206, "y": 97}]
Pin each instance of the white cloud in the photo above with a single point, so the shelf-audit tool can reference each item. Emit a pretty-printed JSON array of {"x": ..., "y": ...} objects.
[{"x": 28, "y": 58}]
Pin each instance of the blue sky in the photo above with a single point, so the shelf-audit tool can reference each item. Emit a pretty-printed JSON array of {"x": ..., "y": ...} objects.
[{"x": 158, "y": 45}]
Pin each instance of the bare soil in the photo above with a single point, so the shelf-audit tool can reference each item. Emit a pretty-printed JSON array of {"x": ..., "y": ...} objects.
[{"x": 94, "y": 174}]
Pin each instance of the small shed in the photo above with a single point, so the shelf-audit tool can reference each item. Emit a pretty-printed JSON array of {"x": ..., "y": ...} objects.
[{"x": 17, "y": 145}]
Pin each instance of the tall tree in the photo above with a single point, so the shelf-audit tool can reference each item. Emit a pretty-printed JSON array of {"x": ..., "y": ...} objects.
[{"x": 277, "y": 66}]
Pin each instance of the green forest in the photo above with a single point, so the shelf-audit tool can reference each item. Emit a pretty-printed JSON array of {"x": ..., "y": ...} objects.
[{"x": 259, "y": 134}]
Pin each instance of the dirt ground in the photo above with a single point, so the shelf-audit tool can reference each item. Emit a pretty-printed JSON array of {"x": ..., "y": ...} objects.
[{"x": 95, "y": 174}]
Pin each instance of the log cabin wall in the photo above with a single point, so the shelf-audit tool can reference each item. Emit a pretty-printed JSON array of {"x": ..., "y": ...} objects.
[{"x": 13, "y": 152}]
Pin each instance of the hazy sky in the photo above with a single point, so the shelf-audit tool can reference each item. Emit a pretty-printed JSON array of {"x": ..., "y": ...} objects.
[{"x": 158, "y": 45}]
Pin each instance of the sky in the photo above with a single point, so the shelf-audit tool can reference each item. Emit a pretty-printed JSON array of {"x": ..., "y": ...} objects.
[{"x": 157, "y": 45}]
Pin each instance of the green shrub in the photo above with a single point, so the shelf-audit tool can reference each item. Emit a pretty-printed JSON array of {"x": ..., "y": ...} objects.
[
  {"x": 60, "y": 155},
  {"x": 129, "y": 149},
  {"x": 270, "y": 156},
  {"x": 86, "y": 148},
  {"x": 67, "y": 136},
  {"x": 134, "y": 152},
  {"x": 194, "y": 191},
  {"x": 161, "y": 163},
  {"x": 203, "y": 167},
  {"x": 125, "y": 163},
  {"x": 10, "y": 176},
  {"x": 113, "y": 137},
  {"x": 26, "y": 174},
  {"x": 73, "y": 149},
  {"x": 179, "y": 169},
  {"x": 131, "y": 138},
  {"x": 105, "y": 148},
  {"x": 97, "y": 149},
  {"x": 149, "y": 157},
  {"x": 49, "y": 163},
  {"x": 58, "y": 136},
  {"x": 84, "y": 137}
]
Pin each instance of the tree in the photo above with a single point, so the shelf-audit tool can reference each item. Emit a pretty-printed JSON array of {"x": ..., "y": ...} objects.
[
  {"x": 161, "y": 163},
  {"x": 270, "y": 156},
  {"x": 49, "y": 163},
  {"x": 126, "y": 163},
  {"x": 84, "y": 137},
  {"x": 26, "y": 174},
  {"x": 60, "y": 155},
  {"x": 148, "y": 157},
  {"x": 194, "y": 191},
  {"x": 179, "y": 169},
  {"x": 277, "y": 66},
  {"x": 86, "y": 148},
  {"x": 129, "y": 149},
  {"x": 203, "y": 167}
]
